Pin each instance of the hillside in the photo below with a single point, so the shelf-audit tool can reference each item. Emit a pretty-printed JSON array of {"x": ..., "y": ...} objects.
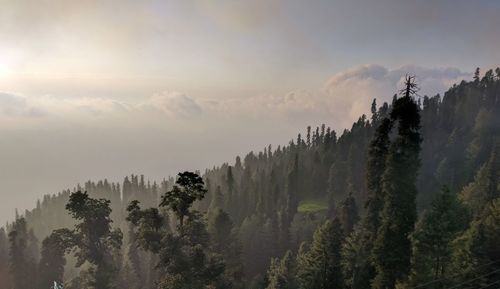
[{"x": 277, "y": 197}]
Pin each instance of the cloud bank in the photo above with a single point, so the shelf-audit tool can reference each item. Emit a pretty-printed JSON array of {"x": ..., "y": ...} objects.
[{"x": 344, "y": 97}]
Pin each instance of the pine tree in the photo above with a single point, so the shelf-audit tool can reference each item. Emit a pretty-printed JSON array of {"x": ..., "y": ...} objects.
[
  {"x": 4, "y": 260},
  {"x": 225, "y": 243},
  {"x": 348, "y": 214},
  {"x": 377, "y": 158},
  {"x": 373, "y": 110},
  {"x": 360, "y": 264},
  {"x": 479, "y": 193},
  {"x": 476, "y": 251},
  {"x": 432, "y": 238},
  {"x": 281, "y": 273},
  {"x": 321, "y": 266},
  {"x": 392, "y": 250},
  {"x": 308, "y": 136},
  {"x": 230, "y": 191},
  {"x": 20, "y": 266},
  {"x": 476, "y": 75},
  {"x": 357, "y": 266}
]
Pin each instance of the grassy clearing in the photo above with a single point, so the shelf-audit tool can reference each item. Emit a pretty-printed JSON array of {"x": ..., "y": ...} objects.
[{"x": 312, "y": 206}]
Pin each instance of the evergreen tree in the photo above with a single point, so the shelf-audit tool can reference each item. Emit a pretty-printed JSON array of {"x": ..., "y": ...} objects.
[
  {"x": 321, "y": 266},
  {"x": 476, "y": 75},
  {"x": 359, "y": 263},
  {"x": 479, "y": 193},
  {"x": 377, "y": 157},
  {"x": 52, "y": 261},
  {"x": 225, "y": 243},
  {"x": 433, "y": 236},
  {"x": 356, "y": 260},
  {"x": 20, "y": 266},
  {"x": 308, "y": 136},
  {"x": 4, "y": 260},
  {"x": 392, "y": 251},
  {"x": 348, "y": 214},
  {"x": 281, "y": 274},
  {"x": 476, "y": 251}
]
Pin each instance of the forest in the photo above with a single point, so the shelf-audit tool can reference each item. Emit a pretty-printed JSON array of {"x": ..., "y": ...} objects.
[{"x": 408, "y": 197}]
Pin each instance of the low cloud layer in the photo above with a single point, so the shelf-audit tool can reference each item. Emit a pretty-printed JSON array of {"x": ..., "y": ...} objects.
[
  {"x": 15, "y": 106},
  {"x": 344, "y": 97}
]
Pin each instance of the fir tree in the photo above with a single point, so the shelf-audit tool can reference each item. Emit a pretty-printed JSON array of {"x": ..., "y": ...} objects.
[
  {"x": 433, "y": 236},
  {"x": 392, "y": 251},
  {"x": 20, "y": 267},
  {"x": 225, "y": 243},
  {"x": 4, "y": 260},
  {"x": 281, "y": 274},
  {"x": 321, "y": 266},
  {"x": 348, "y": 214}
]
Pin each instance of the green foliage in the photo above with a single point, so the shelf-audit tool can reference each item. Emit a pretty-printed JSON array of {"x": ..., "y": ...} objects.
[
  {"x": 320, "y": 267},
  {"x": 312, "y": 206},
  {"x": 185, "y": 261},
  {"x": 476, "y": 251},
  {"x": 377, "y": 156},
  {"x": 263, "y": 192},
  {"x": 184, "y": 256},
  {"x": 259, "y": 243},
  {"x": 150, "y": 226},
  {"x": 52, "y": 261},
  {"x": 479, "y": 193},
  {"x": 20, "y": 263},
  {"x": 92, "y": 239},
  {"x": 5, "y": 280},
  {"x": 392, "y": 248},
  {"x": 348, "y": 214},
  {"x": 433, "y": 236},
  {"x": 359, "y": 267},
  {"x": 225, "y": 243},
  {"x": 189, "y": 188},
  {"x": 356, "y": 260},
  {"x": 282, "y": 273}
]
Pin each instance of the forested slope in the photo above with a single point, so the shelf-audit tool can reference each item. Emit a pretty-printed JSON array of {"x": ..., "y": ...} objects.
[{"x": 277, "y": 198}]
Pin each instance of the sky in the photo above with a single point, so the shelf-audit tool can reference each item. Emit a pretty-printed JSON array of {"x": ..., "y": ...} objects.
[{"x": 103, "y": 89}]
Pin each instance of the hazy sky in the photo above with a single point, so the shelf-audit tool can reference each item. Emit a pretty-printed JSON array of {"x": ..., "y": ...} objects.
[{"x": 102, "y": 89}]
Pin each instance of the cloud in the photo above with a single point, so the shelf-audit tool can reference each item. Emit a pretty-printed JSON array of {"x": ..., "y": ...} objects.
[
  {"x": 169, "y": 104},
  {"x": 350, "y": 92},
  {"x": 344, "y": 97},
  {"x": 173, "y": 104},
  {"x": 13, "y": 106}
]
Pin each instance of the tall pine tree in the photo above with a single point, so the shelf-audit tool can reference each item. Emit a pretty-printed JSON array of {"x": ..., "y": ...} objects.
[{"x": 392, "y": 251}]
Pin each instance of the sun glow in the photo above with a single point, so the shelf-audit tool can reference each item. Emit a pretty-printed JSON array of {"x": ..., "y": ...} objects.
[{"x": 5, "y": 68}]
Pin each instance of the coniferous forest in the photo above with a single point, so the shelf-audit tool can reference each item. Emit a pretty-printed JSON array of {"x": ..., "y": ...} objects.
[{"x": 408, "y": 197}]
